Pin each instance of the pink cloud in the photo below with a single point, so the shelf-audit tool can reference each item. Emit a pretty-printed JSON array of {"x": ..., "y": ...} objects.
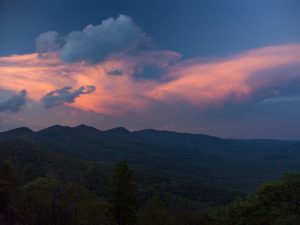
[
  {"x": 238, "y": 77},
  {"x": 195, "y": 81}
]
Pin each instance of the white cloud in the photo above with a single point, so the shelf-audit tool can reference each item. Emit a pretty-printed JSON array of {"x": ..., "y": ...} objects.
[{"x": 93, "y": 43}]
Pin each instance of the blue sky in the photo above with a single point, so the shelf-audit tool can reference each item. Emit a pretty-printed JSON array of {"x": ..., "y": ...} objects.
[{"x": 192, "y": 27}]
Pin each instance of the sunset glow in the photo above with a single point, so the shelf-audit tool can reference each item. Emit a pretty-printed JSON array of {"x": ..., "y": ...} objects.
[{"x": 201, "y": 83}]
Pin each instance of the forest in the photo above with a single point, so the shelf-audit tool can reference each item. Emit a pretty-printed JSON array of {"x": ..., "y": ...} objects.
[
  {"x": 43, "y": 183},
  {"x": 47, "y": 200}
]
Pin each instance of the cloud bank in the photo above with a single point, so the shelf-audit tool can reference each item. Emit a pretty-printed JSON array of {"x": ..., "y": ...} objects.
[
  {"x": 251, "y": 76},
  {"x": 264, "y": 72}
]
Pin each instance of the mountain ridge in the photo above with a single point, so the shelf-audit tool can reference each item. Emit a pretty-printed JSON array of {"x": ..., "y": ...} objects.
[
  {"x": 146, "y": 130},
  {"x": 235, "y": 163}
]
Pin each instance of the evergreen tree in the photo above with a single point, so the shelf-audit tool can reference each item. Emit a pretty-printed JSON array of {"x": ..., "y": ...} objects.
[
  {"x": 9, "y": 191},
  {"x": 61, "y": 203},
  {"x": 121, "y": 195}
]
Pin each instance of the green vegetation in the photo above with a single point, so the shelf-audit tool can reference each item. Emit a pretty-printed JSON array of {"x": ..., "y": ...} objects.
[
  {"x": 239, "y": 165},
  {"x": 33, "y": 161},
  {"x": 9, "y": 192},
  {"x": 50, "y": 201},
  {"x": 121, "y": 195},
  {"x": 43, "y": 185},
  {"x": 275, "y": 203},
  {"x": 154, "y": 212}
]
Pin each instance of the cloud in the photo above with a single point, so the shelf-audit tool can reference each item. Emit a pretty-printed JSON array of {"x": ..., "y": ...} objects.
[
  {"x": 237, "y": 78},
  {"x": 149, "y": 72},
  {"x": 243, "y": 78},
  {"x": 65, "y": 95},
  {"x": 115, "y": 72},
  {"x": 15, "y": 103},
  {"x": 94, "y": 43},
  {"x": 250, "y": 92},
  {"x": 47, "y": 42}
]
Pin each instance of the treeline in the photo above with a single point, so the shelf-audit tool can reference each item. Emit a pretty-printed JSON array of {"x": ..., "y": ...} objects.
[
  {"x": 33, "y": 161},
  {"x": 49, "y": 201}
]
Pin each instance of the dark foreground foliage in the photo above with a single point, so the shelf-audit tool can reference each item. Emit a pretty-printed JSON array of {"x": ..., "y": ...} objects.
[
  {"x": 40, "y": 186},
  {"x": 49, "y": 201},
  {"x": 32, "y": 162}
]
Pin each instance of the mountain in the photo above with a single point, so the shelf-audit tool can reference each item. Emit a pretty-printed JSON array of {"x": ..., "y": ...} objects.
[
  {"x": 118, "y": 131},
  {"x": 232, "y": 164},
  {"x": 18, "y": 132},
  {"x": 33, "y": 161}
]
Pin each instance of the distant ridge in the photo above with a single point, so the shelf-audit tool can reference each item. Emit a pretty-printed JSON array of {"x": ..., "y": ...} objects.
[
  {"x": 118, "y": 130},
  {"x": 115, "y": 130},
  {"x": 86, "y": 128},
  {"x": 19, "y": 130},
  {"x": 234, "y": 163},
  {"x": 55, "y": 127},
  {"x": 125, "y": 131}
]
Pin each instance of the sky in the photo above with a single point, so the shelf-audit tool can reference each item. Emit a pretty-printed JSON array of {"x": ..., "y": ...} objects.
[{"x": 229, "y": 68}]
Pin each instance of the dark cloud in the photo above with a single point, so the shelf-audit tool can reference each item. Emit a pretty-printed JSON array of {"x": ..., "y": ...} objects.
[
  {"x": 94, "y": 43},
  {"x": 115, "y": 72},
  {"x": 280, "y": 89},
  {"x": 65, "y": 95},
  {"x": 15, "y": 103},
  {"x": 149, "y": 72}
]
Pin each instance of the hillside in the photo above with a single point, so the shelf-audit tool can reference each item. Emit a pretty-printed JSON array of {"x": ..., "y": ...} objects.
[
  {"x": 232, "y": 164},
  {"x": 32, "y": 162}
]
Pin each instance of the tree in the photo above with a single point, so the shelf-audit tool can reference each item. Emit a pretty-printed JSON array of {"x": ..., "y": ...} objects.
[
  {"x": 276, "y": 203},
  {"x": 40, "y": 202},
  {"x": 9, "y": 191},
  {"x": 93, "y": 211},
  {"x": 121, "y": 195},
  {"x": 154, "y": 212},
  {"x": 48, "y": 201}
]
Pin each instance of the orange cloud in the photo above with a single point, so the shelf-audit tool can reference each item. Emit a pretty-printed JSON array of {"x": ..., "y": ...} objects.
[{"x": 197, "y": 82}]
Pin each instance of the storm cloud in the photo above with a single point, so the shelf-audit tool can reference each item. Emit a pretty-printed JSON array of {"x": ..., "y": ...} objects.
[
  {"x": 15, "y": 103},
  {"x": 65, "y": 95}
]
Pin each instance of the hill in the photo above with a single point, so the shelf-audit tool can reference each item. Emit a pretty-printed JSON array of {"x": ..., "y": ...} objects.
[
  {"x": 238, "y": 165},
  {"x": 33, "y": 161}
]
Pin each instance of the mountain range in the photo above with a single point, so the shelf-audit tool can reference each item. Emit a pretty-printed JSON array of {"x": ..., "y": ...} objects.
[{"x": 234, "y": 164}]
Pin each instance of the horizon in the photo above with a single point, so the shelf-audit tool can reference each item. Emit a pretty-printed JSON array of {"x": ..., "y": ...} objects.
[
  {"x": 147, "y": 129},
  {"x": 224, "y": 68}
]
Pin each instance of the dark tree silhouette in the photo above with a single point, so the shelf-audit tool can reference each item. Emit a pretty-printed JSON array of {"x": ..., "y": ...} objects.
[
  {"x": 154, "y": 212},
  {"x": 9, "y": 190},
  {"x": 121, "y": 195}
]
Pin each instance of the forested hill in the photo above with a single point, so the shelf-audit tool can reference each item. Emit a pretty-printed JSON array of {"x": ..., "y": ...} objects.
[
  {"x": 238, "y": 165},
  {"x": 77, "y": 176}
]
